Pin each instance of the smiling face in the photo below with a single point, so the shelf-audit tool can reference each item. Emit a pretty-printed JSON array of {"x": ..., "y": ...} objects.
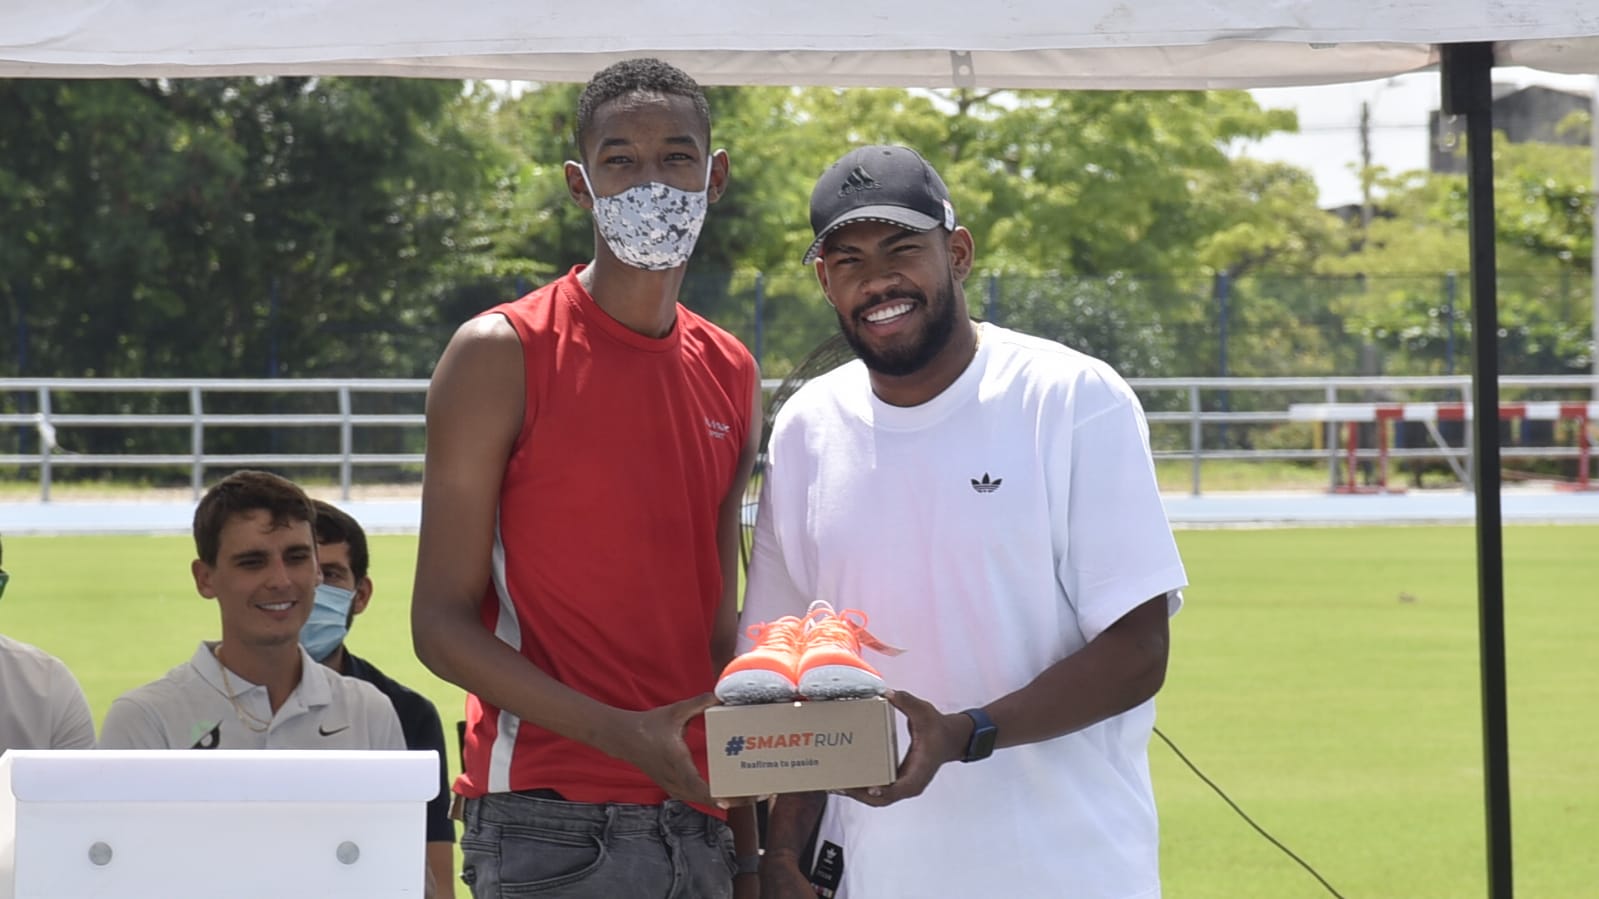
[
  {"x": 264, "y": 579},
  {"x": 896, "y": 292}
]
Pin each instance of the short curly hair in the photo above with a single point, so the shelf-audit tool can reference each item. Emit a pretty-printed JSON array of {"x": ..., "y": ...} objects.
[{"x": 636, "y": 76}]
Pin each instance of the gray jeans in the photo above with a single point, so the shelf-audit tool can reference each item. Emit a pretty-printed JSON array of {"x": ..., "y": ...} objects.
[{"x": 518, "y": 845}]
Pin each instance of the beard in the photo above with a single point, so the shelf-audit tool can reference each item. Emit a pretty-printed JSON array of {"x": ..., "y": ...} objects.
[{"x": 915, "y": 351}]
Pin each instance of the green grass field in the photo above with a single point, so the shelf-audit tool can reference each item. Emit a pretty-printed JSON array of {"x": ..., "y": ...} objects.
[{"x": 1326, "y": 678}]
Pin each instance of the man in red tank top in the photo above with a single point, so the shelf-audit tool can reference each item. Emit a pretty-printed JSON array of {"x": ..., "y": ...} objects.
[{"x": 588, "y": 446}]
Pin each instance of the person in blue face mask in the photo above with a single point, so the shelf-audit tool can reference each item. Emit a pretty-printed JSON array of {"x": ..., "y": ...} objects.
[{"x": 344, "y": 593}]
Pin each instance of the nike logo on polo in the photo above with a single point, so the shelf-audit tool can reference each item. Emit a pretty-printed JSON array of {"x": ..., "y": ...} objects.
[
  {"x": 328, "y": 733},
  {"x": 206, "y": 739},
  {"x": 985, "y": 485},
  {"x": 858, "y": 180},
  {"x": 717, "y": 429}
]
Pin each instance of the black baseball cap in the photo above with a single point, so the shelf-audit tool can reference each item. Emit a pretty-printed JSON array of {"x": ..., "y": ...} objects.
[{"x": 879, "y": 184}]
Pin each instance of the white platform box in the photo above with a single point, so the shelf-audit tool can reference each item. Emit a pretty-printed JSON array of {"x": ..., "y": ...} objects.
[{"x": 242, "y": 824}]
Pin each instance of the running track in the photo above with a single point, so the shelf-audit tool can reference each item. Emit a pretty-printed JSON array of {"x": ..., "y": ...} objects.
[{"x": 1518, "y": 505}]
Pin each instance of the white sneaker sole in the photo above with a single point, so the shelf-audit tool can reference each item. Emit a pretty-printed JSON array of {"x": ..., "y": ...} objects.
[
  {"x": 755, "y": 687},
  {"x": 840, "y": 682}
]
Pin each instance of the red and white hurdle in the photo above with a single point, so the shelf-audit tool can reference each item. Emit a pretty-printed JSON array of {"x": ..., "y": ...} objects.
[{"x": 1353, "y": 415}]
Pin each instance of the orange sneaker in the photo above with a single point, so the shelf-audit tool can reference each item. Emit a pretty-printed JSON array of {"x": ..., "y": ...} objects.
[
  {"x": 767, "y": 673},
  {"x": 831, "y": 666}
]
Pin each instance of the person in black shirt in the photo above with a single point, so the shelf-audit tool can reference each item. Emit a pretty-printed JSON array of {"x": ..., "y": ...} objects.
[{"x": 344, "y": 593}]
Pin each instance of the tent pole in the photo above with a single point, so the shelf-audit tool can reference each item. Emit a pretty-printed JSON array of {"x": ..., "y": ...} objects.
[{"x": 1468, "y": 91}]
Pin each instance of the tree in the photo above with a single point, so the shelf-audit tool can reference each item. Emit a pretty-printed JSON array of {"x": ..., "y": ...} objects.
[
  {"x": 298, "y": 226},
  {"x": 228, "y": 227},
  {"x": 1259, "y": 256},
  {"x": 1545, "y": 232},
  {"x": 1073, "y": 182},
  {"x": 1113, "y": 187}
]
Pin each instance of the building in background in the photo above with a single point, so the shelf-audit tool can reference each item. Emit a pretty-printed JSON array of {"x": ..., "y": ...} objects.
[{"x": 1534, "y": 114}]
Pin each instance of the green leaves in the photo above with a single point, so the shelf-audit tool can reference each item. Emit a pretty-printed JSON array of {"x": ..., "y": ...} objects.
[
  {"x": 1544, "y": 247},
  {"x": 231, "y": 226},
  {"x": 299, "y": 226}
]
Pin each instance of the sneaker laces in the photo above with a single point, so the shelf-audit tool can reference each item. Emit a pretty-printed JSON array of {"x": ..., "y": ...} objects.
[
  {"x": 846, "y": 628},
  {"x": 783, "y": 634}
]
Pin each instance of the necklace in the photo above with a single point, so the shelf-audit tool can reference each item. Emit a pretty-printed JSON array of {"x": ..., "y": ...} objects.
[{"x": 253, "y": 722}]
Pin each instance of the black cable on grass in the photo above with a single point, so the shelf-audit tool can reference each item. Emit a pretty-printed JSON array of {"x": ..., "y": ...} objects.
[{"x": 1248, "y": 820}]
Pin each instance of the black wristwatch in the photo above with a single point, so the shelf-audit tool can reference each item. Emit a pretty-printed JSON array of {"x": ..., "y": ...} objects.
[{"x": 984, "y": 733}]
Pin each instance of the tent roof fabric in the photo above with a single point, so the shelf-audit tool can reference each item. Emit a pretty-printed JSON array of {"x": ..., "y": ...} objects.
[{"x": 844, "y": 43}]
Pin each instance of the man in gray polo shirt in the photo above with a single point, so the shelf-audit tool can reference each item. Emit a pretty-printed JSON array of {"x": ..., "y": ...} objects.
[
  {"x": 255, "y": 688},
  {"x": 41, "y": 704}
]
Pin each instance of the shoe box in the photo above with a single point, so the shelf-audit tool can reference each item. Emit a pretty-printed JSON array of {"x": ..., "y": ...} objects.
[{"x": 796, "y": 747}]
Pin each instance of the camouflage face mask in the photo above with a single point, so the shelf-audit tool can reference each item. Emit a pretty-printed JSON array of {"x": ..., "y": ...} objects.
[{"x": 651, "y": 226}]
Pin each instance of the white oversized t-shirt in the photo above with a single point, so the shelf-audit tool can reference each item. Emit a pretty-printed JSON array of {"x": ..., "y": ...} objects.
[{"x": 990, "y": 532}]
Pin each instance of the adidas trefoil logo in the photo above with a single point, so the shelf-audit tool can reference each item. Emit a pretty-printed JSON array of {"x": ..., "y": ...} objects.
[
  {"x": 985, "y": 485},
  {"x": 858, "y": 180}
]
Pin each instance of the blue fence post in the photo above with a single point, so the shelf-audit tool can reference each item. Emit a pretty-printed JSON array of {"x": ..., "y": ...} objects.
[
  {"x": 1223, "y": 292},
  {"x": 275, "y": 435},
  {"x": 273, "y": 299},
  {"x": 1223, "y": 289},
  {"x": 760, "y": 315},
  {"x": 22, "y": 331},
  {"x": 1449, "y": 323}
]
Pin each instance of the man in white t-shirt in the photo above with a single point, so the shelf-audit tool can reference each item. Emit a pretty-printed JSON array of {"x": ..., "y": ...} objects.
[
  {"x": 41, "y": 704},
  {"x": 989, "y": 500},
  {"x": 255, "y": 688}
]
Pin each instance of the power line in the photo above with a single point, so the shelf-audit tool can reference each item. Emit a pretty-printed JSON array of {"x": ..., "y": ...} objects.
[{"x": 1356, "y": 127}]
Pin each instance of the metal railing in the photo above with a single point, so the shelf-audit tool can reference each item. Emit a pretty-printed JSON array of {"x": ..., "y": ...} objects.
[
  {"x": 1183, "y": 415},
  {"x": 1333, "y": 390},
  {"x": 49, "y": 425}
]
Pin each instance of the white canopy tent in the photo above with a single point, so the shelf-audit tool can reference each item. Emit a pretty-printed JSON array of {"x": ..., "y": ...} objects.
[
  {"x": 934, "y": 43},
  {"x": 1090, "y": 44}
]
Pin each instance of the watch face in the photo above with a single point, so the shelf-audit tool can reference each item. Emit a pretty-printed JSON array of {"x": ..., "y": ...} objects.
[
  {"x": 984, "y": 733},
  {"x": 982, "y": 745}
]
